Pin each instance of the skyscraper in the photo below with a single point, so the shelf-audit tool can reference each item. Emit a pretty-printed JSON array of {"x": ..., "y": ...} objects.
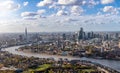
[
  {"x": 64, "y": 36},
  {"x": 81, "y": 34},
  {"x": 21, "y": 38},
  {"x": 26, "y": 35}
]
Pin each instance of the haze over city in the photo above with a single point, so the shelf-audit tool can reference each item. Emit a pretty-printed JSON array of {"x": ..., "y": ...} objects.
[{"x": 61, "y": 15}]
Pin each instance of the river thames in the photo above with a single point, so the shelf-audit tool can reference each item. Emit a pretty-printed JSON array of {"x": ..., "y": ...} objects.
[{"x": 109, "y": 63}]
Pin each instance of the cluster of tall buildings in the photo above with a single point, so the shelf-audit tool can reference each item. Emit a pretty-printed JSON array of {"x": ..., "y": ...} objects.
[
  {"x": 87, "y": 35},
  {"x": 81, "y": 35},
  {"x": 90, "y": 35}
]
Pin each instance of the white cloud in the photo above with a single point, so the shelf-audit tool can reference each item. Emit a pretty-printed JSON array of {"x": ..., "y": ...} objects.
[
  {"x": 25, "y": 3},
  {"x": 33, "y": 15},
  {"x": 8, "y": 9},
  {"x": 70, "y": 2},
  {"x": 77, "y": 10},
  {"x": 28, "y": 14},
  {"x": 66, "y": 20},
  {"x": 65, "y": 5},
  {"x": 107, "y": 1},
  {"x": 92, "y": 3},
  {"x": 29, "y": 18},
  {"x": 110, "y": 9},
  {"x": 9, "y": 5},
  {"x": 84, "y": 2},
  {"x": 69, "y": 19},
  {"x": 45, "y": 3},
  {"x": 41, "y": 11},
  {"x": 61, "y": 12},
  {"x": 64, "y": 23},
  {"x": 54, "y": 5}
]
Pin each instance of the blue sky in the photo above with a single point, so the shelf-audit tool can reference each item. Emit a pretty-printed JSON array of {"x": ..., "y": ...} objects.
[
  {"x": 94, "y": 9},
  {"x": 59, "y": 15}
]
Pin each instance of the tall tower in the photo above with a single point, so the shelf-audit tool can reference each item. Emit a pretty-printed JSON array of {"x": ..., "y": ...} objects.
[
  {"x": 81, "y": 34},
  {"x": 64, "y": 36},
  {"x": 26, "y": 35}
]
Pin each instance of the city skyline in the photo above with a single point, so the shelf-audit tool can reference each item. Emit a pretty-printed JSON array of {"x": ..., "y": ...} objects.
[{"x": 59, "y": 15}]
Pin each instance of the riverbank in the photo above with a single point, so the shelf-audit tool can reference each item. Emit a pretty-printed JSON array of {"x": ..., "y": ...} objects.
[
  {"x": 108, "y": 63},
  {"x": 53, "y": 50},
  {"x": 68, "y": 56},
  {"x": 24, "y": 63}
]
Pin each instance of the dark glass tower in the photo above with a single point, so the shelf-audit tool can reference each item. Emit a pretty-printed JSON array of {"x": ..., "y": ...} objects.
[
  {"x": 81, "y": 34},
  {"x": 64, "y": 36}
]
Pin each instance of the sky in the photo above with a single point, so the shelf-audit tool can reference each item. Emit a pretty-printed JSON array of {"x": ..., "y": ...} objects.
[{"x": 59, "y": 15}]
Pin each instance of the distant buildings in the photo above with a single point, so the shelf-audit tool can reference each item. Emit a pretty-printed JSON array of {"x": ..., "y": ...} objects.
[
  {"x": 119, "y": 44},
  {"x": 26, "y": 35},
  {"x": 21, "y": 38},
  {"x": 91, "y": 35}
]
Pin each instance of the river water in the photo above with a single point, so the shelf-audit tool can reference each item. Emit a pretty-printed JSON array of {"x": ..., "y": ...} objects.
[{"x": 109, "y": 63}]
